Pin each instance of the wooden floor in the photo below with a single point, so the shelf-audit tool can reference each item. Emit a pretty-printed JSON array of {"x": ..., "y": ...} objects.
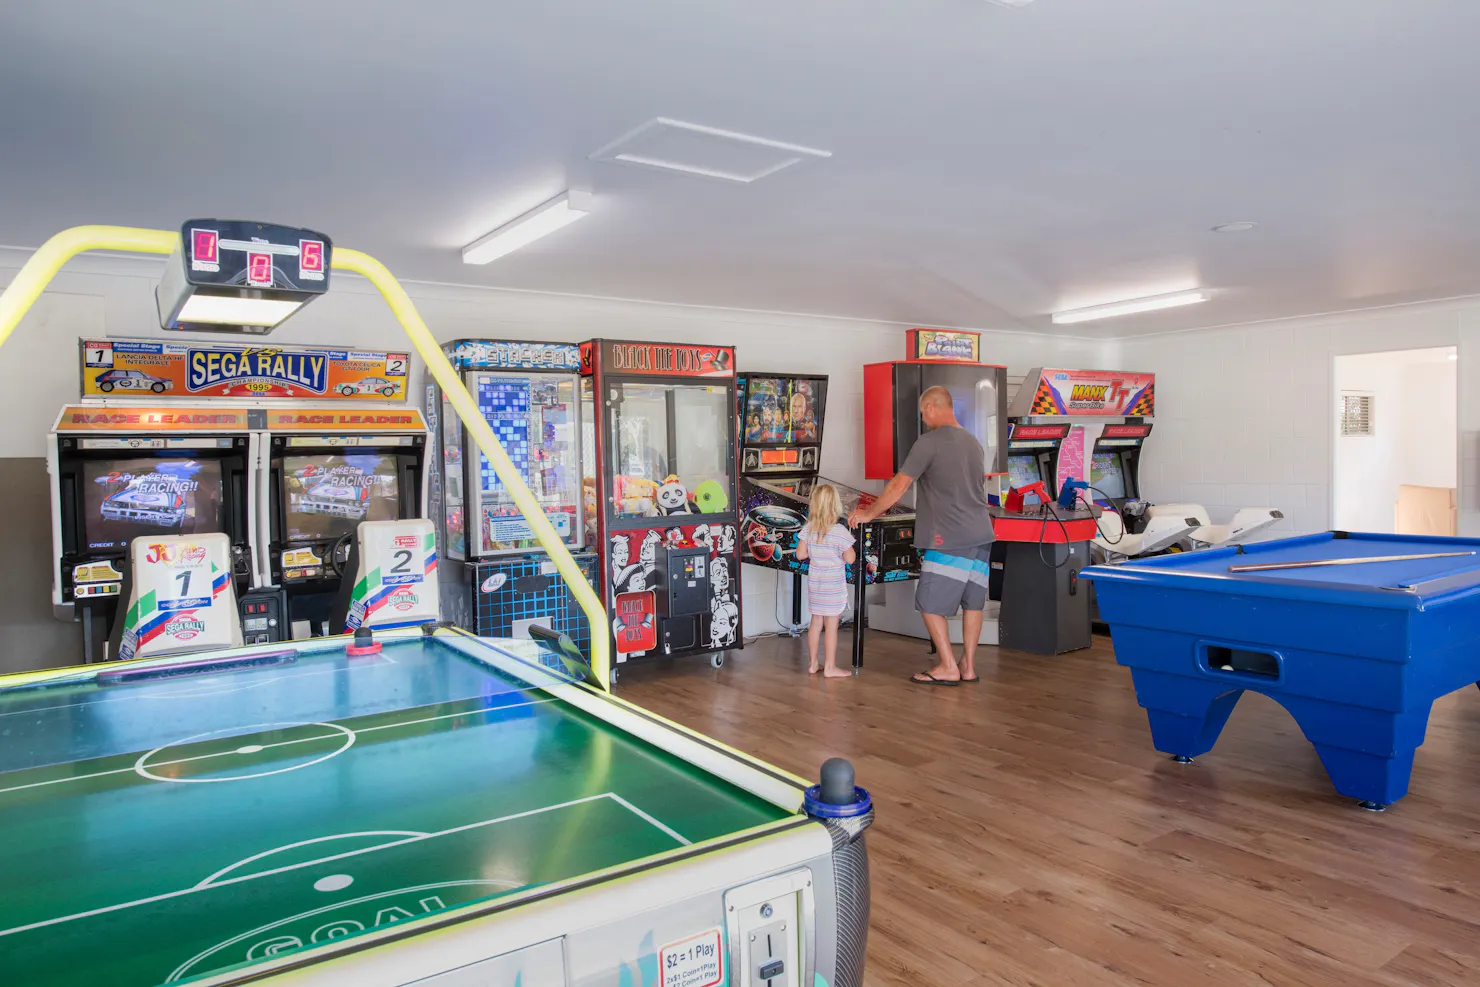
[{"x": 1028, "y": 834}]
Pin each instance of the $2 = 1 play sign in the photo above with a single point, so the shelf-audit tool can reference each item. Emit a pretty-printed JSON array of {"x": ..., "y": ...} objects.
[{"x": 697, "y": 961}]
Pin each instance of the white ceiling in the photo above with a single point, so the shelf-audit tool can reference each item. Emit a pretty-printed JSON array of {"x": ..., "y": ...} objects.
[{"x": 989, "y": 165}]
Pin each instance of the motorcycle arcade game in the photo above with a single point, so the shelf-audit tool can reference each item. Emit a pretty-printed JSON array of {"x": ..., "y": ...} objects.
[
  {"x": 500, "y": 581},
  {"x": 664, "y": 488},
  {"x": 1046, "y": 609},
  {"x": 891, "y": 400},
  {"x": 329, "y": 469},
  {"x": 781, "y": 418}
]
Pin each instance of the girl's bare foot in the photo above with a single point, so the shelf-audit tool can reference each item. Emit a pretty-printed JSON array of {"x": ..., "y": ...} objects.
[
  {"x": 812, "y": 669},
  {"x": 833, "y": 672}
]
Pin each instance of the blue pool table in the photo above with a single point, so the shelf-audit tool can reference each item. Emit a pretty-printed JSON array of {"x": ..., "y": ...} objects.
[{"x": 1356, "y": 653}]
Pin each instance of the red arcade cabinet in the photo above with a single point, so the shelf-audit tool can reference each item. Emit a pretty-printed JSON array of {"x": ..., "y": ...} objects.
[
  {"x": 662, "y": 487},
  {"x": 935, "y": 358}
]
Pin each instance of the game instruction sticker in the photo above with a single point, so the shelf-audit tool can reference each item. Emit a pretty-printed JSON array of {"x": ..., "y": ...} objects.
[
  {"x": 697, "y": 961},
  {"x": 166, "y": 370}
]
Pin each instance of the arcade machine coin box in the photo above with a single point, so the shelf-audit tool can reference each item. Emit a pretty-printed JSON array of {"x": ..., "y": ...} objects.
[{"x": 685, "y": 581}]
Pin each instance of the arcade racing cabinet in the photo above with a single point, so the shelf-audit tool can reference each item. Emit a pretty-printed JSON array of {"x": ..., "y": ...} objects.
[{"x": 329, "y": 469}]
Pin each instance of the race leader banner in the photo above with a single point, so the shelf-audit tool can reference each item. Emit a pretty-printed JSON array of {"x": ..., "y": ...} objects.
[
  {"x": 1092, "y": 393},
  {"x": 155, "y": 369}
]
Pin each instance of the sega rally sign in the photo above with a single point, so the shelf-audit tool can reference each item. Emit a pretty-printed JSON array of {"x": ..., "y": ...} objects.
[{"x": 155, "y": 369}]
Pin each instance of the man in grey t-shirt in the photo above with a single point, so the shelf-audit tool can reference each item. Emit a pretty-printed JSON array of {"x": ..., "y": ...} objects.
[{"x": 953, "y": 532}]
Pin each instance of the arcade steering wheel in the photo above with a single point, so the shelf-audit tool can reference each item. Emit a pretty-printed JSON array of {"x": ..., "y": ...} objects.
[{"x": 339, "y": 554}]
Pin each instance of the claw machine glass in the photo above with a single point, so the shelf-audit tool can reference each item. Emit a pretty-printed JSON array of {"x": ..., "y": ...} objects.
[
  {"x": 664, "y": 482},
  {"x": 530, "y": 394}
]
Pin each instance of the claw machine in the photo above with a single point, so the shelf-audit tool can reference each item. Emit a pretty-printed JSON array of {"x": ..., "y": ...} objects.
[
  {"x": 663, "y": 489},
  {"x": 497, "y": 581}
]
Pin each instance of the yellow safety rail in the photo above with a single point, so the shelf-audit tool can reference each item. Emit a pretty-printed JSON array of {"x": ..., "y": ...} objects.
[{"x": 44, "y": 264}]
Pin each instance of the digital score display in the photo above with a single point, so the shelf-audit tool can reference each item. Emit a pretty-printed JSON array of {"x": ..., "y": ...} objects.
[{"x": 234, "y": 253}]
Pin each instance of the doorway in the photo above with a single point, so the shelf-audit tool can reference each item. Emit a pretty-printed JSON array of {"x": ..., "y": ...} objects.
[{"x": 1396, "y": 442}]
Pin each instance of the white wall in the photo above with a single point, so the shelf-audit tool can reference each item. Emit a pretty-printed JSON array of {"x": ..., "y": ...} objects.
[
  {"x": 1244, "y": 412},
  {"x": 113, "y": 296}
]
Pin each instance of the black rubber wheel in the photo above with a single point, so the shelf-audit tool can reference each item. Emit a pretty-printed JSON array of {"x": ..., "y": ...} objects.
[
  {"x": 106, "y": 387},
  {"x": 717, "y": 660},
  {"x": 157, "y": 387}
]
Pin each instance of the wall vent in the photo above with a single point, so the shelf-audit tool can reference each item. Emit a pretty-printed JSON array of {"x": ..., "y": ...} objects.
[{"x": 1356, "y": 414}]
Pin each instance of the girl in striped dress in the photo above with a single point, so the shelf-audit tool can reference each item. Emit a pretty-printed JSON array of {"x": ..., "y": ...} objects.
[{"x": 827, "y": 546}]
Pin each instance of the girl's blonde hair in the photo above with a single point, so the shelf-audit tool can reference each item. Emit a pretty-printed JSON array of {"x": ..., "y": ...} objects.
[{"x": 824, "y": 512}]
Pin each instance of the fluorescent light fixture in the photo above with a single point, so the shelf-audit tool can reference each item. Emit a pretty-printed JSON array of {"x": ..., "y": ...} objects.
[
  {"x": 1010, "y": 3},
  {"x": 542, "y": 220},
  {"x": 1152, "y": 303},
  {"x": 233, "y": 310}
]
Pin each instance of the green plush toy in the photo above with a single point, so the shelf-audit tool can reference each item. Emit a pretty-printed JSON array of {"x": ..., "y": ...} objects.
[{"x": 710, "y": 497}]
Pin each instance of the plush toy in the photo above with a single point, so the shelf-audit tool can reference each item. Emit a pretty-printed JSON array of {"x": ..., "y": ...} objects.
[
  {"x": 711, "y": 498},
  {"x": 673, "y": 497}
]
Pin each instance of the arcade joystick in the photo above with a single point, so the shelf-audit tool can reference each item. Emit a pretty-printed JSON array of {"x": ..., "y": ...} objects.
[{"x": 364, "y": 643}]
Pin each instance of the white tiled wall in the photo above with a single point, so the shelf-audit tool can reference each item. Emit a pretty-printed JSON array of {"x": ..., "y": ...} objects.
[{"x": 1244, "y": 413}]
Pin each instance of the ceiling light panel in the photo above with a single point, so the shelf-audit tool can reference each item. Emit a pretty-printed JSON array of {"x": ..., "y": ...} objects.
[
  {"x": 1130, "y": 306},
  {"x": 542, "y": 220},
  {"x": 707, "y": 152}
]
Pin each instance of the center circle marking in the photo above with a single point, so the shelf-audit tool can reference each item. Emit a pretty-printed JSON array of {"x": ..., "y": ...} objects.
[{"x": 141, "y": 766}]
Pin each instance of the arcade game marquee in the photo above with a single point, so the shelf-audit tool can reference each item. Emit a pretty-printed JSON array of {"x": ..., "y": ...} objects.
[
  {"x": 665, "y": 495},
  {"x": 460, "y": 812},
  {"x": 497, "y": 580},
  {"x": 781, "y": 418},
  {"x": 891, "y": 401}
]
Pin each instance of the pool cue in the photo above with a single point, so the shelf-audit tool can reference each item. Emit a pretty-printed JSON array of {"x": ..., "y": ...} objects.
[{"x": 1270, "y": 566}]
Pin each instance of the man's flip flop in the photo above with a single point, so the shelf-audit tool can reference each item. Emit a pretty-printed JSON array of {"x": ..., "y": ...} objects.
[{"x": 931, "y": 680}]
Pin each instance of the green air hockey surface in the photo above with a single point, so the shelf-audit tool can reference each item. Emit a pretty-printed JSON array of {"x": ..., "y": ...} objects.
[{"x": 160, "y": 830}]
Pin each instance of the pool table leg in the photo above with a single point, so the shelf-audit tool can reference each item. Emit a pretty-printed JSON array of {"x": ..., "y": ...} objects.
[
  {"x": 1369, "y": 755},
  {"x": 1194, "y": 727}
]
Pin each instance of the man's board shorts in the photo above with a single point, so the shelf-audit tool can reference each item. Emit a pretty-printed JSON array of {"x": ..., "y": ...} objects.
[{"x": 951, "y": 581}]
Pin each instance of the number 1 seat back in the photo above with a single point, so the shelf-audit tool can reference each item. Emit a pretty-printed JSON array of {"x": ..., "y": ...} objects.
[{"x": 178, "y": 596}]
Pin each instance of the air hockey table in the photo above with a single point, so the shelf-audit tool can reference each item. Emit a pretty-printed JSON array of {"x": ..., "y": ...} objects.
[
  {"x": 1354, "y": 634},
  {"x": 449, "y": 812}
]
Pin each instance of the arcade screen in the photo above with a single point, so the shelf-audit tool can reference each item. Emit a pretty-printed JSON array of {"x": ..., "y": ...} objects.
[
  {"x": 329, "y": 495},
  {"x": 782, "y": 410},
  {"x": 1106, "y": 476},
  {"x": 125, "y": 498},
  {"x": 1022, "y": 471}
]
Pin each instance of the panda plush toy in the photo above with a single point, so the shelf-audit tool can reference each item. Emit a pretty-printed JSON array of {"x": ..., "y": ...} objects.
[{"x": 673, "y": 497}]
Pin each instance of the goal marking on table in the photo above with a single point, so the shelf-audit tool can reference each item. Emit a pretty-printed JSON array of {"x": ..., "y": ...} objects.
[{"x": 226, "y": 882}]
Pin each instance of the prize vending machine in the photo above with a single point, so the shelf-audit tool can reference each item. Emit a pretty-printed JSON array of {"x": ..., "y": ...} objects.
[
  {"x": 499, "y": 581},
  {"x": 664, "y": 486},
  {"x": 329, "y": 469},
  {"x": 123, "y": 471}
]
